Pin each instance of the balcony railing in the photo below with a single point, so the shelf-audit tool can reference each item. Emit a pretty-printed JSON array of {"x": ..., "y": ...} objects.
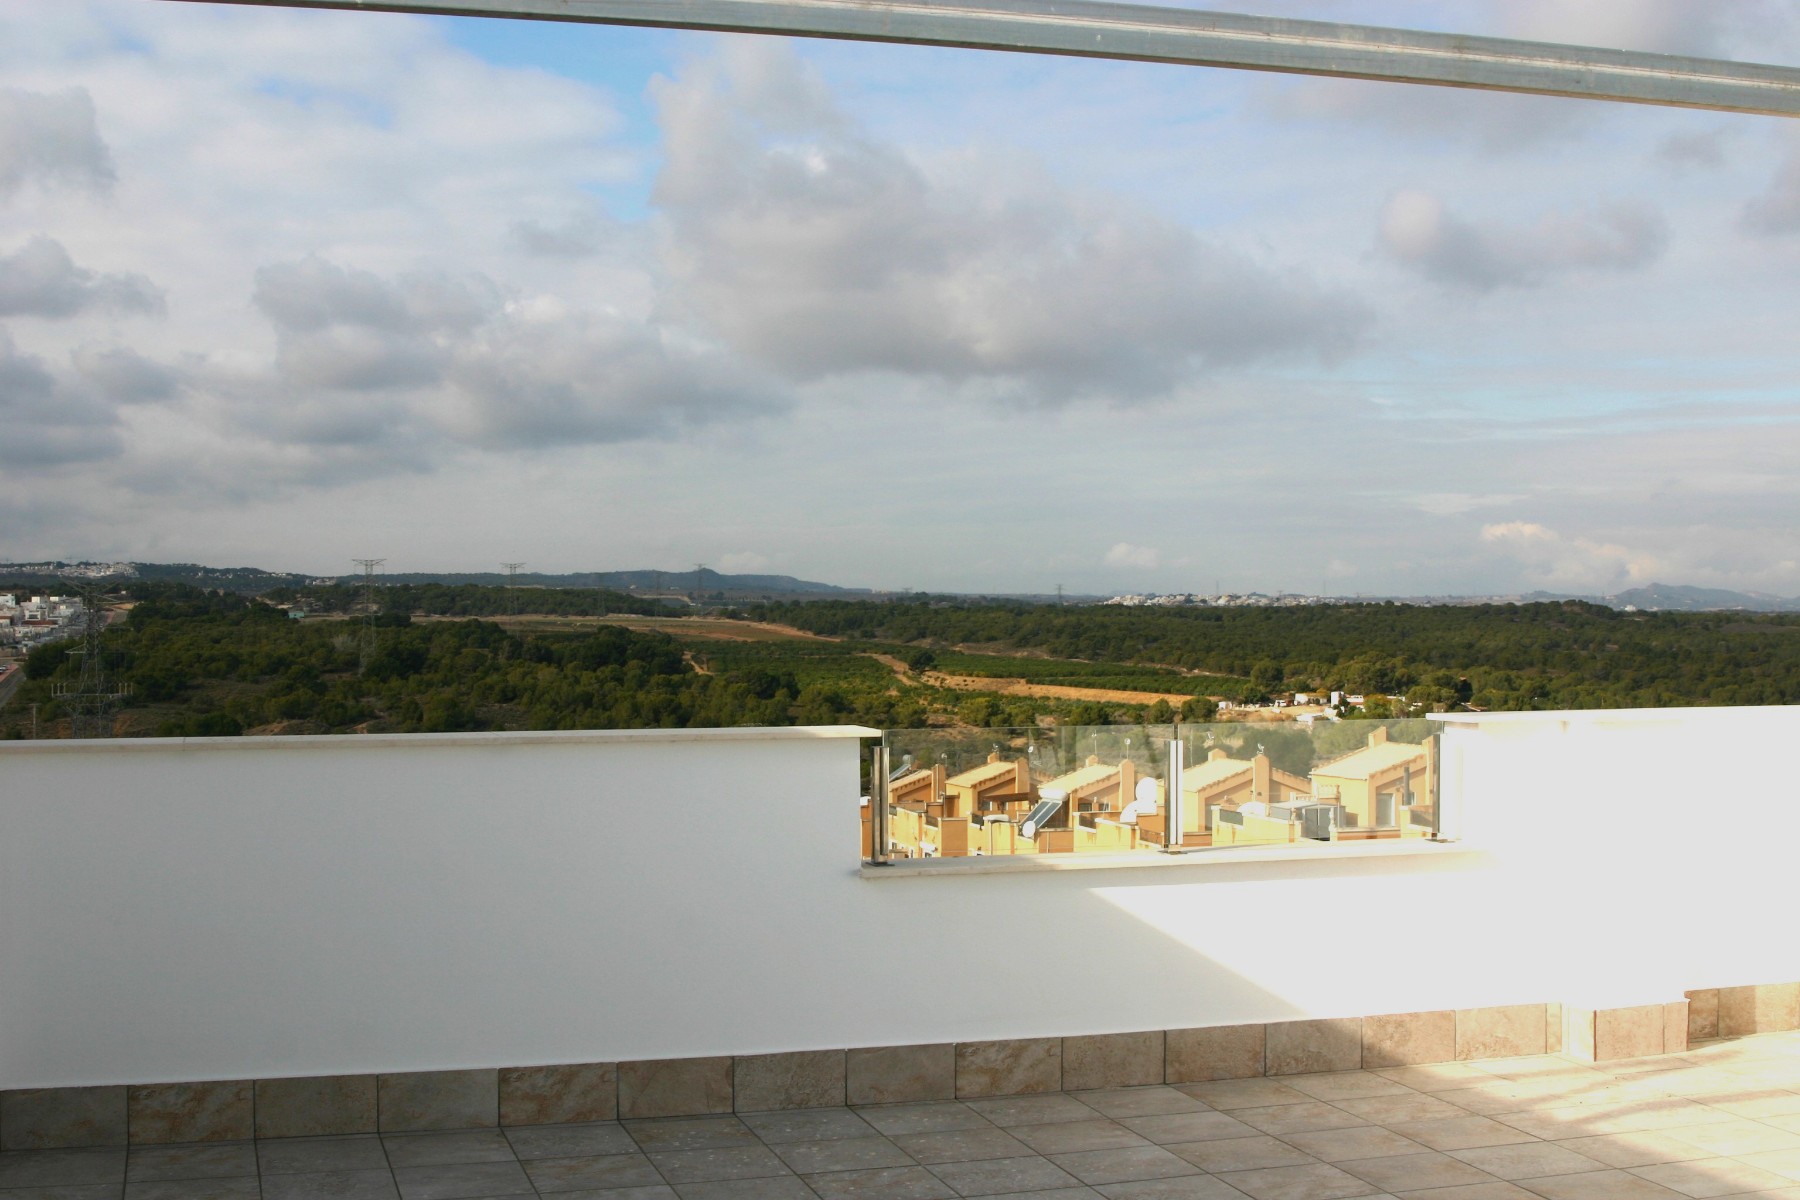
[{"x": 972, "y": 793}]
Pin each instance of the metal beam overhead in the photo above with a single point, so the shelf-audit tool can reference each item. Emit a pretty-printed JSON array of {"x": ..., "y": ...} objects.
[{"x": 1141, "y": 33}]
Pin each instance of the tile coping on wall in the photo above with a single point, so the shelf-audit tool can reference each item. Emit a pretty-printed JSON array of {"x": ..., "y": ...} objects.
[
  {"x": 1019, "y": 864},
  {"x": 390, "y": 741},
  {"x": 114, "y": 1115}
]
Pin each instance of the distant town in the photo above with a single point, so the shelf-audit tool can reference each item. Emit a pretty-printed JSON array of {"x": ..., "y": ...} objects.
[{"x": 702, "y": 581}]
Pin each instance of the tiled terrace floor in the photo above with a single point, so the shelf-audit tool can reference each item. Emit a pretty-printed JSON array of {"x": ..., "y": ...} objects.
[{"x": 1721, "y": 1120}]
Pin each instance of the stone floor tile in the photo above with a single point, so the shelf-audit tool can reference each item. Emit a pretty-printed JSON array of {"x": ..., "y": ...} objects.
[
  {"x": 843, "y": 1154},
  {"x": 690, "y": 1133},
  {"x": 1068, "y": 1137},
  {"x": 1599, "y": 1185},
  {"x": 648, "y": 1191},
  {"x": 937, "y": 1116},
  {"x": 191, "y": 1160},
  {"x": 1319, "y": 1181},
  {"x": 1032, "y": 1110},
  {"x": 961, "y": 1145},
  {"x": 1189, "y": 1127},
  {"x": 48, "y": 1168},
  {"x": 1633, "y": 1149},
  {"x": 1460, "y": 1133},
  {"x": 997, "y": 1176},
  {"x": 462, "y": 1181},
  {"x": 337, "y": 1185},
  {"x": 1703, "y": 1178},
  {"x": 1757, "y": 1104},
  {"x": 1346, "y": 1085},
  {"x": 1491, "y": 1099},
  {"x": 1343, "y": 1145},
  {"x": 807, "y": 1125},
  {"x": 1783, "y": 1162},
  {"x": 593, "y": 1171},
  {"x": 1436, "y": 1077},
  {"x": 1416, "y": 1172},
  {"x": 1737, "y": 1138},
  {"x": 1527, "y": 1161},
  {"x": 1229, "y": 1094},
  {"x": 1182, "y": 1187},
  {"x": 1386, "y": 1110},
  {"x": 287, "y": 1156},
  {"x": 1298, "y": 1118},
  {"x": 446, "y": 1148},
  {"x": 719, "y": 1162},
  {"x": 235, "y": 1187},
  {"x": 1140, "y": 1101},
  {"x": 69, "y": 1191},
  {"x": 1129, "y": 1163},
  {"x": 1241, "y": 1154},
  {"x": 774, "y": 1187},
  {"x": 1473, "y": 1191},
  {"x": 882, "y": 1183},
  {"x": 570, "y": 1141}
]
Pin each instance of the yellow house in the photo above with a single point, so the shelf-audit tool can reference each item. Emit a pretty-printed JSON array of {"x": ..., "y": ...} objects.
[
  {"x": 997, "y": 786},
  {"x": 1220, "y": 780},
  {"x": 1093, "y": 787},
  {"x": 1378, "y": 784}
]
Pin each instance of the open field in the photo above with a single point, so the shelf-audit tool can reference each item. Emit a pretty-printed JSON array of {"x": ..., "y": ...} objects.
[{"x": 696, "y": 628}]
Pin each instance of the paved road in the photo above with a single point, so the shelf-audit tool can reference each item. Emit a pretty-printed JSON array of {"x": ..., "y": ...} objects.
[{"x": 10, "y": 684}]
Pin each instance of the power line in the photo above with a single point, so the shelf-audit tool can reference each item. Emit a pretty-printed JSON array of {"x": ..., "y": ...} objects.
[
  {"x": 512, "y": 590},
  {"x": 93, "y": 698},
  {"x": 366, "y": 650}
]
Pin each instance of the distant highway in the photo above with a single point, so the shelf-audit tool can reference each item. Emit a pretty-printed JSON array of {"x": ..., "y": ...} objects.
[{"x": 9, "y": 683}]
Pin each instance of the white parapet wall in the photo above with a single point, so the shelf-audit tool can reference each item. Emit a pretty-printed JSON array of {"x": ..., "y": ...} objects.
[{"x": 265, "y": 907}]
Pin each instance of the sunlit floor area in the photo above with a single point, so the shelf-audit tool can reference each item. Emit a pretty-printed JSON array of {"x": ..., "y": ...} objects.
[{"x": 1720, "y": 1120}]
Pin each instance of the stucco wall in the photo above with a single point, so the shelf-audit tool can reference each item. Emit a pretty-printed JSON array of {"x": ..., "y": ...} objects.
[{"x": 176, "y": 912}]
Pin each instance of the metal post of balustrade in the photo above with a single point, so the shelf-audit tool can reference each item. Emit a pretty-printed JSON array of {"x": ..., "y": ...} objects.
[
  {"x": 1172, "y": 836},
  {"x": 878, "y": 806}
]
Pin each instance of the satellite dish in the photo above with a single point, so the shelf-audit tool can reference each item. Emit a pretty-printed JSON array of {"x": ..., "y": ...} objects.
[{"x": 1144, "y": 803}]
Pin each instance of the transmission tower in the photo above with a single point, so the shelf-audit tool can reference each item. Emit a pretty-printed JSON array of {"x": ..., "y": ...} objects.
[
  {"x": 699, "y": 570},
  {"x": 512, "y": 587},
  {"x": 93, "y": 698},
  {"x": 367, "y": 648}
]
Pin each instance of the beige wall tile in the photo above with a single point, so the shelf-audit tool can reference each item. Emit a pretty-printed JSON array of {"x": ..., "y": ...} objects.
[
  {"x": 327, "y": 1104},
  {"x": 802, "y": 1079},
  {"x": 1218, "y": 1052},
  {"x": 1013, "y": 1067},
  {"x": 414, "y": 1100},
  {"x": 674, "y": 1087},
  {"x": 1112, "y": 1060},
  {"x": 62, "y": 1118},
  {"x": 222, "y": 1111},
  {"x": 1675, "y": 1027},
  {"x": 1408, "y": 1039},
  {"x": 898, "y": 1074},
  {"x": 552, "y": 1095},
  {"x": 1503, "y": 1032},
  {"x": 1578, "y": 1033},
  {"x": 1553, "y": 1028},
  {"x": 1628, "y": 1032},
  {"x": 1302, "y": 1047},
  {"x": 1703, "y": 1014},
  {"x": 1762, "y": 1008}
]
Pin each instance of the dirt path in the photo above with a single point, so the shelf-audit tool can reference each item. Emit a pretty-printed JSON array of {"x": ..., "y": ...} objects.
[{"x": 1050, "y": 691}]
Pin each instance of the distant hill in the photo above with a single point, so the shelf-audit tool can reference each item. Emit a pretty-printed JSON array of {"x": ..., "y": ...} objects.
[
  {"x": 1668, "y": 597},
  {"x": 253, "y": 580}
]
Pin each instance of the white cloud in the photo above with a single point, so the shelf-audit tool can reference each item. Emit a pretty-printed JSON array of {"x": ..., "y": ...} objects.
[
  {"x": 815, "y": 247},
  {"x": 1551, "y": 560},
  {"x": 1124, "y": 554},
  {"x": 51, "y": 139},
  {"x": 40, "y": 280},
  {"x": 1419, "y": 231}
]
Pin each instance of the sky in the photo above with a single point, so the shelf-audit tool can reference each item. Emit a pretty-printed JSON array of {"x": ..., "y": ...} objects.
[{"x": 284, "y": 288}]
